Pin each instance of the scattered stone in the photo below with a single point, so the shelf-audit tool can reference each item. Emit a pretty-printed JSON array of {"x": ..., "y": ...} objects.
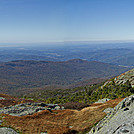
[
  {"x": 70, "y": 126},
  {"x": 102, "y": 100},
  {"x": 43, "y": 133},
  {"x": 108, "y": 110},
  {"x": 2, "y": 98},
  {"x": 57, "y": 108}
]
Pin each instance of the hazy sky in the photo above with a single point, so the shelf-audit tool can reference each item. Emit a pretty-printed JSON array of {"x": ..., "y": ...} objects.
[{"x": 66, "y": 20}]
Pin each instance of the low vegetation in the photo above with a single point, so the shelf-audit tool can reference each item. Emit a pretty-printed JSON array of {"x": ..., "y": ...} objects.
[
  {"x": 75, "y": 105},
  {"x": 60, "y": 121},
  {"x": 10, "y": 100}
]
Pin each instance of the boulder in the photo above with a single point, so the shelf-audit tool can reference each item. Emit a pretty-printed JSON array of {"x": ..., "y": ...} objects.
[{"x": 102, "y": 100}]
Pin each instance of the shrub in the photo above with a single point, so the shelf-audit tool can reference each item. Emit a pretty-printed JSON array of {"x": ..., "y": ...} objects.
[{"x": 75, "y": 105}]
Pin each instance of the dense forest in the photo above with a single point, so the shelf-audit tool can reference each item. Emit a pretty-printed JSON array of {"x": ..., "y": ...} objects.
[
  {"x": 19, "y": 77},
  {"x": 87, "y": 94}
]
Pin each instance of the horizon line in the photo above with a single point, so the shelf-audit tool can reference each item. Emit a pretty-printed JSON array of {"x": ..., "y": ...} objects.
[{"x": 73, "y": 41}]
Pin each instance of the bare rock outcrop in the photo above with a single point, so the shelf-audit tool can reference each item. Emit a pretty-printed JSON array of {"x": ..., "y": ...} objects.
[
  {"x": 129, "y": 75},
  {"x": 120, "y": 120},
  {"x": 4, "y": 130}
]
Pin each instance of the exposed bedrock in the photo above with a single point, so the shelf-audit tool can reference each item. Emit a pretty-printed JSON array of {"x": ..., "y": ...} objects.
[{"x": 119, "y": 120}]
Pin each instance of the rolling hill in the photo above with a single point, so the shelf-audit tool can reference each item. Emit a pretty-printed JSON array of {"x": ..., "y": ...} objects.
[{"x": 27, "y": 76}]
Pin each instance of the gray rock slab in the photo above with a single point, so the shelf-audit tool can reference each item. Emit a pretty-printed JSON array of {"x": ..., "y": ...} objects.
[
  {"x": 102, "y": 100},
  {"x": 5, "y": 130},
  {"x": 28, "y": 108},
  {"x": 119, "y": 121}
]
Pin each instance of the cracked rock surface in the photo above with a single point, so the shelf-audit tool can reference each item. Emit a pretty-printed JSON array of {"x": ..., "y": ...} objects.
[{"x": 120, "y": 120}]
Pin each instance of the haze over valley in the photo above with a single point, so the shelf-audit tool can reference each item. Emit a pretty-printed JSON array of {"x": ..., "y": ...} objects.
[{"x": 113, "y": 53}]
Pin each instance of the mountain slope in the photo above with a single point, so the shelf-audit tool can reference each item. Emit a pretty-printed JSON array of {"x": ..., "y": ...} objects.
[{"x": 23, "y": 75}]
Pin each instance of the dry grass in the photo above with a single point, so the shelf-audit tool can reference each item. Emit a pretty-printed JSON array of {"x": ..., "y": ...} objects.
[
  {"x": 60, "y": 121},
  {"x": 74, "y": 105},
  {"x": 10, "y": 100}
]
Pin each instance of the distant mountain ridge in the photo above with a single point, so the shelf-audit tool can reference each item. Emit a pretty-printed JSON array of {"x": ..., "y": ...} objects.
[
  {"x": 118, "y": 54},
  {"x": 23, "y": 75}
]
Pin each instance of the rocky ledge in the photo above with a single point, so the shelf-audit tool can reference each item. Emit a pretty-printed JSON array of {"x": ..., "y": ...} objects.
[
  {"x": 119, "y": 120},
  {"x": 129, "y": 75},
  {"x": 25, "y": 109},
  {"x": 28, "y": 108}
]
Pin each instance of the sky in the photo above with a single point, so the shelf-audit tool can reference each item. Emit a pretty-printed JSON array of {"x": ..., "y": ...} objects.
[{"x": 38, "y": 21}]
